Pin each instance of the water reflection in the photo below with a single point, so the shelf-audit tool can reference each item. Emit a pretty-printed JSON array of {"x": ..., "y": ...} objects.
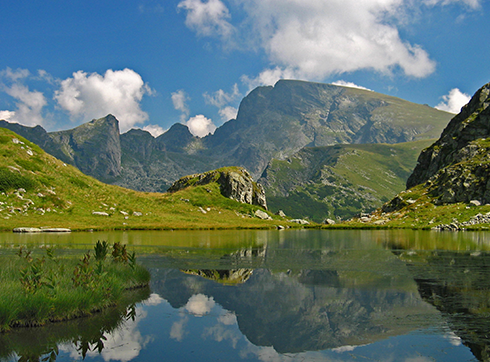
[
  {"x": 291, "y": 296},
  {"x": 80, "y": 338}
]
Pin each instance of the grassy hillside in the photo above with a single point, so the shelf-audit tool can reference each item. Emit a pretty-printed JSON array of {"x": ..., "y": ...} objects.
[
  {"x": 38, "y": 190},
  {"x": 339, "y": 181}
]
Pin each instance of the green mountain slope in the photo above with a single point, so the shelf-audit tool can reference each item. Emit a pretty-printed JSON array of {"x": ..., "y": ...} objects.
[
  {"x": 272, "y": 122},
  {"x": 450, "y": 187},
  {"x": 38, "y": 190},
  {"x": 339, "y": 181}
]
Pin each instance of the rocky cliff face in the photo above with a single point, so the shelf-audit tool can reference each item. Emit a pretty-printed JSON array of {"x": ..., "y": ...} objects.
[
  {"x": 276, "y": 122},
  {"x": 235, "y": 183},
  {"x": 456, "y": 168},
  {"x": 93, "y": 147},
  {"x": 272, "y": 122}
]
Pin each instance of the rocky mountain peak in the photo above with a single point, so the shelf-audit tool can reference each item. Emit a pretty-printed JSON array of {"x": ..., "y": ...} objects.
[{"x": 461, "y": 140}]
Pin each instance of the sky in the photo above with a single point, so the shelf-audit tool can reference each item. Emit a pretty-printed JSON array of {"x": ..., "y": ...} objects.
[{"x": 153, "y": 63}]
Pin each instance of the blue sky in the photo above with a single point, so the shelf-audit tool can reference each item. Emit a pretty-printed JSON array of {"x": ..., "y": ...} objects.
[{"x": 154, "y": 63}]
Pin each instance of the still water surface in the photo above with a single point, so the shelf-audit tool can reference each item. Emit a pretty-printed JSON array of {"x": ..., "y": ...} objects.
[{"x": 298, "y": 295}]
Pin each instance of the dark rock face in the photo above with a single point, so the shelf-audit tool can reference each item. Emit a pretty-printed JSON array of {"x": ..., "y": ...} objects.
[
  {"x": 276, "y": 122},
  {"x": 456, "y": 168},
  {"x": 235, "y": 183},
  {"x": 272, "y": 122},
  {"x": 93, "y": 147}
]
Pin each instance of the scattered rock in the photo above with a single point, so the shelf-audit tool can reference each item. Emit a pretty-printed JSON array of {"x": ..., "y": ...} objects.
[
  {"x": 55, "y": 230},
  {"x": 329, "y": 222},
  {"x": 300, "y": 221},
  {"x": 281, "y": 213},
  {"x": 100, "y": 213},
  {"x": 202, "y": 210},
  {"x": 27, "y": 229},
  {"x": 475, "y": 203},
  {"x": 262, "y": 215},
  {"x": 123, "y": 213},
  {"x": 137, "y": 213}
]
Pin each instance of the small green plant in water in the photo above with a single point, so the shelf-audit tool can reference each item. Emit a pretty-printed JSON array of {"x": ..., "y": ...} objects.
[{"x": 101, "y": 249}]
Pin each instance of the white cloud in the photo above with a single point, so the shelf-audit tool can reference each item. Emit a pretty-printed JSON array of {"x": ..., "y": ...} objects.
[
  {"x": 179, "y": 99},
  {"x": 8, "y": 116},
  {"x": 200, "y": 126},
  {"x": 15, "y": 75},
  {"x": 29, "y": 105},
  {"x": 222, "y": 99},
  {"x": 453, "y": 101},
  {"x": 319, "y": 38},
  {"x": 343, "y": 83},
  {"x": 228, "y": 113},
  {"x": 207, "y": 18},
  {"x": 200, "y": 305},
  {"x": 154, "y": 129},
  {"x": 87, "y": 96},
  {"x": 473, "y": 4},
  {"x": 270, "y": 77}
]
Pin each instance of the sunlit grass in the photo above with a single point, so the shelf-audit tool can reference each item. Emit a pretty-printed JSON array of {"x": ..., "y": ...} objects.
[{"x": 36, "y": 289}]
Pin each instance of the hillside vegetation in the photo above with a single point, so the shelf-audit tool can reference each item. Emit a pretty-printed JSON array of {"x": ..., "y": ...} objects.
[
  {"x": 38, "y": 190},
  {"x": 339, "y": 181},
  {"x": 450, "y": 186}
]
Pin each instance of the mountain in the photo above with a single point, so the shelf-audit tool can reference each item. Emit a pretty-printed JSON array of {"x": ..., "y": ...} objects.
[
  {"x": 38, "y": 190},
  {"x": 450, "y": 186},
  {"x": 339, "y": 181},
  {"x": 272, "y": 122},
  {"x": 276, "y": 122}
]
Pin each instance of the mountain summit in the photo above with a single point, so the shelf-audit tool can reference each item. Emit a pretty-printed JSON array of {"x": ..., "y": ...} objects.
[{"x": 272, "y": 122}]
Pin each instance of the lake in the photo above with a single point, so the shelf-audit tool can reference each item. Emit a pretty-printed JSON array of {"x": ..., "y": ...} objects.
[{"x": 288, "y": 295}]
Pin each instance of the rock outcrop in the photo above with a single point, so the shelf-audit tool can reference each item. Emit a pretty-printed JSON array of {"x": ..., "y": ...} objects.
[
  {"x": 456, "y": 168},
  {"x": 235, "y": 183}
]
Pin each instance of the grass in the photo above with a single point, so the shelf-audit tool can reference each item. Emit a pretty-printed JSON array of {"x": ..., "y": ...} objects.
[
  {"x": 37, "y": 289},
  {"x": 340, "y": 181},
  {"x": 38, "y": 190}
]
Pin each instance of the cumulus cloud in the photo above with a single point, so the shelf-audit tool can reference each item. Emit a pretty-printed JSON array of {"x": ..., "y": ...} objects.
[
  {"x": 119, "y": 92},
  {"x": 200, "y": 126},
  {"x": 222, "y": 99},
  {"x": 228, "y": 113},
  {"x": 207, "y": 18},
  {"x": 453, "y": 101},
  {"x": 270, "y": 77},
  {"x": 319, "y": 38},
  {"x": 8, "y": 116},
  {"x": 154, "y": 129},
  {"x": 350, "y": 85},
  {"x": 179, "y": 100},
  {"x": 29, "y": 105}
]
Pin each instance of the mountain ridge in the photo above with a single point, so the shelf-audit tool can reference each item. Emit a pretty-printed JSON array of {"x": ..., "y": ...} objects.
[{"x": 272, "y": 122}]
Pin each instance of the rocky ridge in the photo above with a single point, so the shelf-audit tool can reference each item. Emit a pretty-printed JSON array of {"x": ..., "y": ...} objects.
[
  {"x": 272, "y": 122},
  {"x": 235, "y": 183},
  {"x": 456, "y": 168}
]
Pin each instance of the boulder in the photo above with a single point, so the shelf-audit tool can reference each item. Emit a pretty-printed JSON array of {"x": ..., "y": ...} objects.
[
  {"x": 262, "y": 215},
  {"x": 234, "y": 182}
]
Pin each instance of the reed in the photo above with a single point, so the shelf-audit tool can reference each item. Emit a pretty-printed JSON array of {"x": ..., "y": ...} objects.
[{"x": 38, "y": 289}]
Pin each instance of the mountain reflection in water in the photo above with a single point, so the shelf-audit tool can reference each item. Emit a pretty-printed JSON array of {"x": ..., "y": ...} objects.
[{"x": 308, "y": 298}]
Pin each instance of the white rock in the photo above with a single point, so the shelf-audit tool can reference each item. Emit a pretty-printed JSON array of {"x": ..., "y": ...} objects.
[
  {"x": 262, "y": 215},
  {"x": 100, "y": 213}
]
